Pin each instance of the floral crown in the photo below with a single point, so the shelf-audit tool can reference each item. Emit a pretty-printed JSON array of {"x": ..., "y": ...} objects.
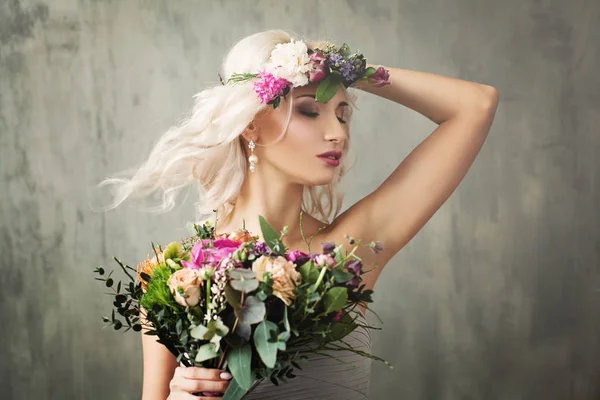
[{"x": 293, "y": 64}]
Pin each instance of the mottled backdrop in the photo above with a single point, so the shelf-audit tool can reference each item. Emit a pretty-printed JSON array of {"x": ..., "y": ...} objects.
[{"x": 498, "y": 297}]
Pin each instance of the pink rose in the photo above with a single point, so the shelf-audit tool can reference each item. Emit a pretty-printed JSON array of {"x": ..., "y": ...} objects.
[
  {"x": 202, "y": 256},
  {"x": 325, "y": 260},
  {"x": 188, "y": 281},
  {"x": 319, "y": 68},
  {"x": 294, "y": 255},
  {"x": 380, "y": 77}
]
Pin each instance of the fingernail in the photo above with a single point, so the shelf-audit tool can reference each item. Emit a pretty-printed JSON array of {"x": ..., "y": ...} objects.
[{"x": 225, "y": 375}]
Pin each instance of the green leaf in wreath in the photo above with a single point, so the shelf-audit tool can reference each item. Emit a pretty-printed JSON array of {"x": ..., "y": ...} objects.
[
  {"x": 328, "y": 87},
  {"x": 252, "y": 312},
  {"x": 368, "y": 72},
  {"x": 239, "y": 361},
  {"x": 335, "y": 299},
  {"x": 266, "y": 350},
  {"x": 206, "y": 352}
]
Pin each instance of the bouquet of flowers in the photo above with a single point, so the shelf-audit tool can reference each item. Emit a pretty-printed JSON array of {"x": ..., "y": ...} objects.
[{"x": 252, "y": 307}]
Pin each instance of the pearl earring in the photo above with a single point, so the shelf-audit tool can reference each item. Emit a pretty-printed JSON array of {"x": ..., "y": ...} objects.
[{"x": 253, "y": 159}]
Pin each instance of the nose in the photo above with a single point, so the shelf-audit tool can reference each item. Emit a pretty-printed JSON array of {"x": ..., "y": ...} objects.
[{"x": 334, "y": 131}]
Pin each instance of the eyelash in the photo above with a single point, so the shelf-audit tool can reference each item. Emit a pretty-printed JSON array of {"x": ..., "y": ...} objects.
[{"x": 314, "y": 115}]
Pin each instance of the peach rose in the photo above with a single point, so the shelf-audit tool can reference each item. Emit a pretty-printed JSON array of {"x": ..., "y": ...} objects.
[
  {"x": 147, "y": 266},
  {"x": 283, "y": 274},
  {"x": 189, "y": 281}
]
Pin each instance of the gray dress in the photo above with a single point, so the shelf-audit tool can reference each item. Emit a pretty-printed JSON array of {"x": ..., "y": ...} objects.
[{"x": 325, "y": 378}]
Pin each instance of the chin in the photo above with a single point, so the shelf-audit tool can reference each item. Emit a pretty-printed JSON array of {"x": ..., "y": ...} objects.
[{"x": 319, "y": 179}]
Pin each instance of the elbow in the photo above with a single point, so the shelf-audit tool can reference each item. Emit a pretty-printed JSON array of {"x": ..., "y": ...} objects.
[{"x": 490, "y": 97}]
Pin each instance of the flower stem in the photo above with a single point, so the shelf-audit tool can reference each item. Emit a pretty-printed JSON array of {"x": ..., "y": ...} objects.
[
  {"x": 208, "y": 298},
  {"x": 320, "y": 279}
]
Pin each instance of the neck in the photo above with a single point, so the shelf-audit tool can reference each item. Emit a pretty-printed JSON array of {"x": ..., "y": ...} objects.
[{"x": 264, "y": 193}]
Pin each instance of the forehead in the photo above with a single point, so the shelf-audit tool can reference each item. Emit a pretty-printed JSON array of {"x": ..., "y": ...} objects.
[{"x": 311, "y": 89}]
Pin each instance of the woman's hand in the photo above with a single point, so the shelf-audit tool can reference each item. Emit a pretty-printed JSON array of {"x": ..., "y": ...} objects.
[{"x": 198, "y": 383}]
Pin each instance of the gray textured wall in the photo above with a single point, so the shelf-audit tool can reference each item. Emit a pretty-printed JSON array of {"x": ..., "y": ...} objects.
[{"x": 498, "y": 297}]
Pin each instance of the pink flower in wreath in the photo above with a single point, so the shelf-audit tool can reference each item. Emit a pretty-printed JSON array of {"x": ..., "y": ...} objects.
[{"x": 269, "y": 87}]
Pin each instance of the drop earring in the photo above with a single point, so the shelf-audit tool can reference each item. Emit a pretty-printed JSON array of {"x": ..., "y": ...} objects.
[{"x": 253, "y": 159}]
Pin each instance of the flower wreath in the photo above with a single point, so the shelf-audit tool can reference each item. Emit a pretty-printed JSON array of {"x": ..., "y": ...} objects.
[{"x": 292, "y": 64}]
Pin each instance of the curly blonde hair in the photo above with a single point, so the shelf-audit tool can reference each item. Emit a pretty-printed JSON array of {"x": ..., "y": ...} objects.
[{"x": 205, "y": 146}]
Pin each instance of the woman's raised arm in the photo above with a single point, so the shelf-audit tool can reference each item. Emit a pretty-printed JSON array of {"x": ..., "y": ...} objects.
[{"x": 424, "y": 180}]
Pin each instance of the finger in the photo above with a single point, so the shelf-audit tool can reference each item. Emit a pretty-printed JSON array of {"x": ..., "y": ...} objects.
[
  {"x": 210, "y": 374},
  {"x": 196, "y": 385}
]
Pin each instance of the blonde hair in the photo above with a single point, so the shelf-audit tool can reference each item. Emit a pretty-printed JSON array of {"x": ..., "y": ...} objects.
[{"x": 205, "y": 146}]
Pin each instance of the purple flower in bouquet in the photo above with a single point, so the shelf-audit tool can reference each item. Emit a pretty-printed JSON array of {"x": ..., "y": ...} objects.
[
  {"x": 327, "y": 247},
  {"x": 261, "y": 248},
  {"x": 355, "y": 268}
]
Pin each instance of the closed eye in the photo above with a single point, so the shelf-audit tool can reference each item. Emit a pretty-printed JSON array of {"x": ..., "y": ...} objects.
[{"x": 315, "y": 115}]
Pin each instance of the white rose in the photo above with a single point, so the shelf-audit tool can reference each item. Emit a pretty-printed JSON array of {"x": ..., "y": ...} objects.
[{"x": 291, "y": 62}]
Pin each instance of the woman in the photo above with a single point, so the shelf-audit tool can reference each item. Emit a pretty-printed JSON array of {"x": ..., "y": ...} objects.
[{"x": 250, "y": 158}]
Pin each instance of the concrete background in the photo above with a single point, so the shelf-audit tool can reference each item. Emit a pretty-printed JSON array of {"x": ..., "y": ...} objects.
[{"x": 498, "y": 297}]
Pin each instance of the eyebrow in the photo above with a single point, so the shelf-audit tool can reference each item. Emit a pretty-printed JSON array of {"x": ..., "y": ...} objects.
[{"x": 342, "y": 103}]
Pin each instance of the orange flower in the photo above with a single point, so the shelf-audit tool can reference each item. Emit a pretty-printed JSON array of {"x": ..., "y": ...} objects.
[
  {"x": 237, "y": 236},
  {"x": 147, "y": 266}
]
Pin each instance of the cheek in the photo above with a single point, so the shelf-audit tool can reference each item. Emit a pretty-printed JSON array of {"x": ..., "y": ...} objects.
[{"x": 302, "y": 138}]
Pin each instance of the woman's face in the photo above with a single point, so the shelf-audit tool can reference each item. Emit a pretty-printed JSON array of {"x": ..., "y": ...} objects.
[{"x": 316, "y": 137}]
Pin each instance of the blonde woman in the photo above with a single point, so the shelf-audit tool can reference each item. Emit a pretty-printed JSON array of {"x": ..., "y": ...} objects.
[{"x": 278, "y": 150}]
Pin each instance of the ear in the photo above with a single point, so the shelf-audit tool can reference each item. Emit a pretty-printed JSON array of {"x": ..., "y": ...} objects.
[{"x": 251, "y": 132}]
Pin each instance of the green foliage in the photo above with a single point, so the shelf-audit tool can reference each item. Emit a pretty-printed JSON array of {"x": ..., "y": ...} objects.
[
  {"x": 266, "y": 350},
  {"x": 157, "y": 291},
  {"x": 239, "y": 362},
  {"x": 272, "y": 239}
]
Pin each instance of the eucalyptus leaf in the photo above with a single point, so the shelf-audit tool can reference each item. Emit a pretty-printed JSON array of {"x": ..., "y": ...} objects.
[
  {"x": 238, "y": 361},
  {"x": 234, "y": 297},
  {"x": 241, "y": 273},
  {"x": 199, "y": 332},
  {"x": 206, "y": 352},
  {"x": 266, "y": 350},
  {"x": 244, "y": 330},
  {"x": 335, "y": 299},
  {"x": 284, "y": 336},
  {"x": 252, "y": 312},
  {"x": 234, "y": 391},
  {"x": 244, "y": 285}
]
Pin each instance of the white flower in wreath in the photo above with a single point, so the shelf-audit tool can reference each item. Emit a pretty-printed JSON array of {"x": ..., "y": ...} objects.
[{"x": 291, "y": 62}]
